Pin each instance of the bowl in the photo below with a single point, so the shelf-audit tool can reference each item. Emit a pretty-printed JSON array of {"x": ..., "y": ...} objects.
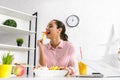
[{"x": 50, "y": 73}]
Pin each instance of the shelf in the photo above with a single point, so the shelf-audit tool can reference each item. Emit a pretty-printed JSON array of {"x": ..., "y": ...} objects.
[
  {"x": 15, "y": 30},
  {"x": 8, "y": 34},
  {"x": 15, "y": 13},
  {"x": 25, "y": 65},
  {"x": 16, "y": 48}
]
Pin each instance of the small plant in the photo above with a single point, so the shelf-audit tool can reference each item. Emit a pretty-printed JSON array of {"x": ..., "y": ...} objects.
[
  {"x": 10, "y": 22},
  {"x": 6, "y": 67},
  {"x": 7, "y": 59},
  {"x": 19, "y": 41}
]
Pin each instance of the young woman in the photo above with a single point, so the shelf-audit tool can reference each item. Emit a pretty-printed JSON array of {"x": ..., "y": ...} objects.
[{"x": 59, "y": 51}]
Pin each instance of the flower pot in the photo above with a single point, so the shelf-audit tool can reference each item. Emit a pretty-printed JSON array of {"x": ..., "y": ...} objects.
[
  {"x": 19, "y": 44},
  {"x": 5, "y": 71}
]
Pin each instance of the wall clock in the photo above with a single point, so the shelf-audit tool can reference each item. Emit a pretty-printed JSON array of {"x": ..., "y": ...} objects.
[{"x": 72, "y": 20}]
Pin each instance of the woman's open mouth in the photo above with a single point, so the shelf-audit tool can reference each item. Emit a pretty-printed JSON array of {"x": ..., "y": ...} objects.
[{"x": 48, "y": 32}]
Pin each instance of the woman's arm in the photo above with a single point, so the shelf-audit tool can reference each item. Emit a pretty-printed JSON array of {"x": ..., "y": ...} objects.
[
  {"x": 42, "y": 61},
  {"x": 71, "y": 64}
]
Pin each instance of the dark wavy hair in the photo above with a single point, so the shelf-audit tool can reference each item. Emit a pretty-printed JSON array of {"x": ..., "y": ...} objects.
[{"x": 60, "y": 24}]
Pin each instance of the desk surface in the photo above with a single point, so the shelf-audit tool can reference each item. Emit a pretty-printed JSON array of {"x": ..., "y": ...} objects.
[{"x": 59, "y": 78}]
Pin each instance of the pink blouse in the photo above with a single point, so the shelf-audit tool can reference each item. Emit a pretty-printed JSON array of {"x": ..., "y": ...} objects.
[{"x": 62, "y": 55}]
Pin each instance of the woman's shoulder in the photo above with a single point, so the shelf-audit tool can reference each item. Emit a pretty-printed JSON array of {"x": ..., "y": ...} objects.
[{"x": 68, "y": 43}]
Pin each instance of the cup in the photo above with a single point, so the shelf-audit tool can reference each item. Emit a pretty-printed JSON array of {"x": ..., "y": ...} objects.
[{"x": 82, "y": 68}]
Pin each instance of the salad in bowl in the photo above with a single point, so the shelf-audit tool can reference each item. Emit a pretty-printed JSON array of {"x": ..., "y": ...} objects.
[{"x": 54, "y": 71}]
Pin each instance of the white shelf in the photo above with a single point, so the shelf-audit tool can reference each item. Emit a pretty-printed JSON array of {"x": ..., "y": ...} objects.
[
  {"x": 15, "y": 30},
  {"x": 16, "y": 48},
  {"x": 26, "y": 65},
  {"x": 15, "y": 13}
]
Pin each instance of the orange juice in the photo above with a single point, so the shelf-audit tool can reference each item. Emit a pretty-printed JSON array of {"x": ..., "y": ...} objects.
[{"x": 82, "y": 68}]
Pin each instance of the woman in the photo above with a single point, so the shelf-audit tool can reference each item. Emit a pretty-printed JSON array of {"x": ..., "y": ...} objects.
[{"x": 59, "y": 51}]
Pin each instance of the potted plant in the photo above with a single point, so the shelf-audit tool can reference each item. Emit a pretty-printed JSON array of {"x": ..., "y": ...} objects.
[
  {"x": 6, "y": 67},
  {"x": 10, "y": 22},
  {"x": 19, "y": 41}
]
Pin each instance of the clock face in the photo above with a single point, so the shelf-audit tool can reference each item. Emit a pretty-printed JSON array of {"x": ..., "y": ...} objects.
[{"x": 72, "y": 21}]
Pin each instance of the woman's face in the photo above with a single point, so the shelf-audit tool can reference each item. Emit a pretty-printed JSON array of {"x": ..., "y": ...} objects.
[{"x": 52, "y": 30}]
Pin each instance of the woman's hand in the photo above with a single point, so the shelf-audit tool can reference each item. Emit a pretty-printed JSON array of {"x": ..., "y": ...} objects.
[
  {"x": 70, "y": 70},
  {"x": 40, "y": 43}
]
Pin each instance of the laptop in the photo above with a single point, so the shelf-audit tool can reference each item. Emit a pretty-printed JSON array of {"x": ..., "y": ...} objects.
[
  {"x": 93, "y": 75},
  {"x": 104, "y": 69}
]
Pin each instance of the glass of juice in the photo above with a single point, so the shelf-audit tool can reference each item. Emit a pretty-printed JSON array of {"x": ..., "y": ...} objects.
[{"x": 82, "y": 68}]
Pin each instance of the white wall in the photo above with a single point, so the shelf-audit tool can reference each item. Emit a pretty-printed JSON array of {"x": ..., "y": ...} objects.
[{"x": 96, "y": 20}]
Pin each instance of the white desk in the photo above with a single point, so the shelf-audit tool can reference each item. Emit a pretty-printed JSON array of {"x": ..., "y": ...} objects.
[{"x": 60, "y": 78}]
